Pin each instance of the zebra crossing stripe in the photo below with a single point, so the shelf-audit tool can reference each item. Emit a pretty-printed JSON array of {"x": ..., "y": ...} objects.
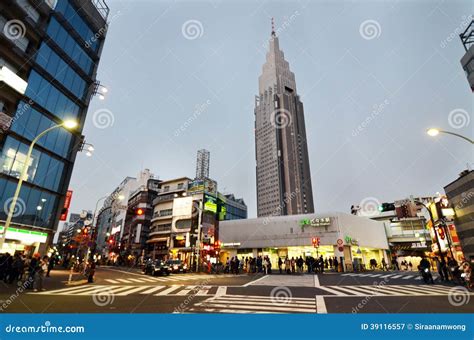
[
  {"x": 399, "y": 291},
  {"x": 112, "y": 281},
  {"x": 203, "y": 291},
  {"x": 167, "y": 291},
  {"x": 123, "y": 280},
  {"x": 330, "y": 290},
  {"x": 261, "y": 302},
  {"x": 63, "y": 290},
  {"x": 186, "y": 291},
  {"x": 375, "y": 275},
  {"x": 248, "y": 305},
  {"x": 366, "y": 290},
  {"x": 396, "y": 276},
  {"x": 152, "y": 290},
  {"x": 386, "y": 275},
  {"x": 407, "y": 277},
  {"x": 136, "y": 280},
  {"x": 104, "y": 289},
  {"x": 221, "y": 290},
  {"x": 148, "y": 279},
  {"x": 128, "y": 292},
  {"x": 435, "y": 289}
]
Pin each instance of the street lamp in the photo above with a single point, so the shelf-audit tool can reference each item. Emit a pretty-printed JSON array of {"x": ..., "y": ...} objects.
[
  {"x": 433, "y": 132},
  {"x": 100, "y": 90},
  {"x": 68, "y": 124}
]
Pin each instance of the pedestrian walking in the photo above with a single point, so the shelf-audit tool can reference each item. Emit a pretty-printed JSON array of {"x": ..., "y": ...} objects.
[
  {"x": 41, "y": 268},
  {"x": 280, "y": 264}
]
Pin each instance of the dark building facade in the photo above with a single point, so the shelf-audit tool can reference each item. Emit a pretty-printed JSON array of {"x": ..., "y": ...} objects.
[
  {"x": 283, "y": 173},
  {"x": 235, "y": 208},
  {"x": 138, "y": 218},
  {"x": 49, "y": 55},
  {"x": 461, "y": 197}
]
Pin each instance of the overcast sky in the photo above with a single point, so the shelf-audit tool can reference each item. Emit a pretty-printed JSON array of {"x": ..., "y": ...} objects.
[{"x": 372, "y": 77}]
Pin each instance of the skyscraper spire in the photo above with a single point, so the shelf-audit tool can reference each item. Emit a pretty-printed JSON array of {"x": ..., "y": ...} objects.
[{"x": 273, "y": 28}]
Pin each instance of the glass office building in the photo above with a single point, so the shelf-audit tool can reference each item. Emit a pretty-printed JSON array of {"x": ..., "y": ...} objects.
[{"x": 49, "y": 54}]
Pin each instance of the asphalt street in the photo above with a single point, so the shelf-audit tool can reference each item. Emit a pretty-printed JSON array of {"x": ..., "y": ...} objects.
[{"x": 125, "y": 290}]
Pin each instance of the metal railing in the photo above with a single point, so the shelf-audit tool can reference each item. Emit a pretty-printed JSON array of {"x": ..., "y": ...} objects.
[{"x": 102, "y": 8}]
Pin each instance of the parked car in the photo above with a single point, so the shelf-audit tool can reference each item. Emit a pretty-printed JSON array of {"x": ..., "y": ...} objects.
[
  {"x": 156, "y": 267},
  {"x": 177, "y": 266}
]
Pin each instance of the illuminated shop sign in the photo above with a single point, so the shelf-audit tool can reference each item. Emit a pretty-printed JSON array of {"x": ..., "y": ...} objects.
[
  {"x": 350, "y": 240},
  {"x": 210, "y": 203},
  {"x": 315, "y": 222},
  {"x": 26, "y": 236},
  {"x": 234, "y": 244}
]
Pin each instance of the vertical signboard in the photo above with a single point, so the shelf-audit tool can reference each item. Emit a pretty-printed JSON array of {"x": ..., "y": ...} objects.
[{"x": 67, "y": 204}]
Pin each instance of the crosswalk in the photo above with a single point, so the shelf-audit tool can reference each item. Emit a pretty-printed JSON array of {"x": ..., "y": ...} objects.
[
  {"x": 385, "y": 290},
  {"x": 150, "y": 279},
  {"x": 125, "y": 290},
  {"x": 396, "y": 275},
  {"x": 244, "y": 304}
]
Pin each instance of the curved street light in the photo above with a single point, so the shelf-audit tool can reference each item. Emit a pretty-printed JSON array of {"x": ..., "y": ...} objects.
[
  {"x": 433, "y": 132},
  {"x": 68, "y": 124}
]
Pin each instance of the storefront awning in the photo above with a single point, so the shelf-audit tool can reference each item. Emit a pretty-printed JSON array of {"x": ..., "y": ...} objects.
[{"x": 157, "y": 239}]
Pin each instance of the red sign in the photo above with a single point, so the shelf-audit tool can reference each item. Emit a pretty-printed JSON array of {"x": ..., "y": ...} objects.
[
  {"x": 341, "y": 249},
  {"x": 340, "y": 242},
  {"x": 67, "y": 204}
]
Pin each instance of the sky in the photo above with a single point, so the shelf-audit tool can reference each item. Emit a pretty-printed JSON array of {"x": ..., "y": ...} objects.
[{"x": 372, "y": 76}]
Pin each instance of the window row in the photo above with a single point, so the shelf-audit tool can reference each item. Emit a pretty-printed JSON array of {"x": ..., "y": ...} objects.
[
  {"x": 34, "y": 207},
  {"x": 43, "y": 170},
  {"x": 64, "y": 40},
  {"x": 29, "y": 123},
  {"x": 81, "y": 27},
  {"x": 60, "y": 70},
  {"x": 49, "y": 97}
]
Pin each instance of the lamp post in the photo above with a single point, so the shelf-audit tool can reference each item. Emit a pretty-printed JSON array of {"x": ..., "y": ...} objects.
[
  {"x": 68, "y": 124},
  {"x": 433, "y": 132}
]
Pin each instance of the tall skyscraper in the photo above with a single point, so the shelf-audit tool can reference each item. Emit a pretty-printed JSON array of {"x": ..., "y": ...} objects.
[
  {"x": 49, "y": 54},
  {"x": 283, "y": 174},
  {"x": 202, "y": 164}
]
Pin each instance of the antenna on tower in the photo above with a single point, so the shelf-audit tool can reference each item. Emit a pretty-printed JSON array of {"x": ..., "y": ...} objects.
[{"x": 273, "y": 27}]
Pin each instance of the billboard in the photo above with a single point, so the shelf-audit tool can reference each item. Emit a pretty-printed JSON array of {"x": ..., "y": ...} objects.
[
  {"x": 67, "y": 204},
  {"x": 183, "y": 207}
]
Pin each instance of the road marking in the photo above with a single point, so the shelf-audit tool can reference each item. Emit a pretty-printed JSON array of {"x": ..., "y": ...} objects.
[
  {"x": 396, "y": 276},
  {"x": 186, "y": 291},
  {"x": 152, "y": 290},
  {"x": 316, "y": 280},
  {"x": 407, "y": 277},
  {"x": 169, "y": 290},
  {"x": 386, "y": 275},
  {"x": 124, "y": 281},
  {"x": 111, "y": 281},
  {"x": 203, "y": 290},
  {"x": 375, "y": 275},
  {"x": 103, "y": 290},
  {"x": 253, "y": 282},
  {"x": 131, "y": 291},
  {"x": 148, "y": 279},
  {"x": 221, "y": 290},
  {"x": 320, "y": 305},
  {"x": 330, "y": 290},
  {"x": 136, "y": 280}
]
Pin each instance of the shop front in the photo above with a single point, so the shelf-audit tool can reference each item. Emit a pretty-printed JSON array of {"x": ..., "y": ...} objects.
[
  {"x": 19, "y": 240},
  {"x": 353, "y": 240}
]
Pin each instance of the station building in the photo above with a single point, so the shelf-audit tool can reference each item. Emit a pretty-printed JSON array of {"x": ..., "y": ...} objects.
[{"x": 354, "y": 240}]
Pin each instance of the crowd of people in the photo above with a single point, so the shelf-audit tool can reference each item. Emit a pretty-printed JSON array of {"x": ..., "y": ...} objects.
[
  {"x": 263, "y": 264},
  {"x": 28, "y": 271}
]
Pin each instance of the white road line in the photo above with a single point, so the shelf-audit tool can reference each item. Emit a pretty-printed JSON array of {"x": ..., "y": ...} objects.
[
  {"x": 252, "y": 282},
  {"x": 267, "y": 302},
  {"x": 186, "y": 291},
  {"x": 148, "y": 279},
  {"x": 169, "y": 290},
  {"x": 330, "y": 290},
  {"x": 396, "y": 276},
  {"x": 66, "y": 290},
  {"x": 320, "y": 305},
  {"x": 265, "y": 298},
  {"x": 136, "y": 289},
  {"x": 408, "y": 276},
  {"x": 266, "y": 308},
  {"x": 124, "y": 281},
  {"x": 152, "y": 290},
  {"x": 111, "y": 281},
  {"x": 386, "y": 275},
  {"x": 107, "y": 290},
  {"x": 375, "y": 275},
  {"x": 350, "y": 290},
  {"x": 203, "y": 291},
  {"x": 136, "y": 280},
  {"x": 316, "y": 280},
  {"x": 221, "y": 290}
]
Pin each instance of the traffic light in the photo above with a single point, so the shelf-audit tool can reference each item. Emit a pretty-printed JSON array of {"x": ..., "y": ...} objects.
[
  {"x": 139, "y": 212},
  {"x": 386, "y": 207}
]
